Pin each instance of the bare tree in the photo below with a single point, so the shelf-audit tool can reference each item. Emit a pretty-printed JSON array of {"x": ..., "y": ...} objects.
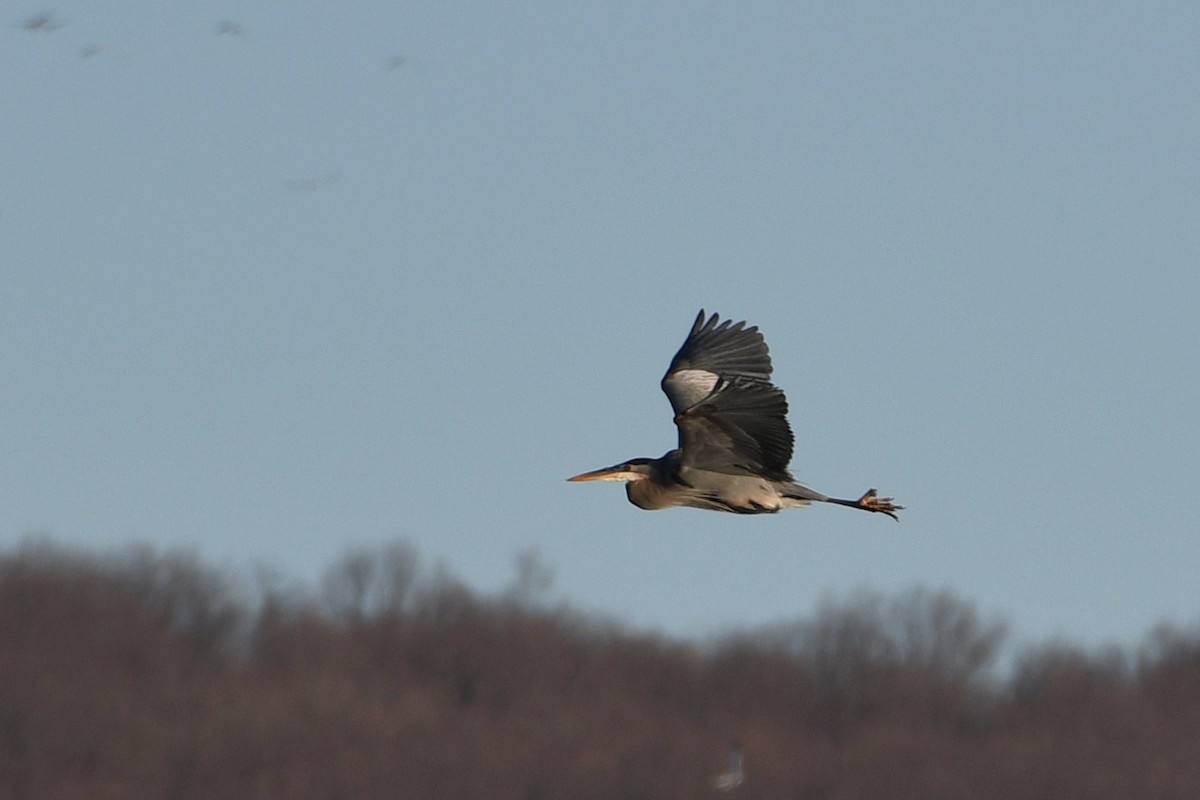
[
  {"x": 345, "y": 585},
  {"x": 532, "y": 582}
]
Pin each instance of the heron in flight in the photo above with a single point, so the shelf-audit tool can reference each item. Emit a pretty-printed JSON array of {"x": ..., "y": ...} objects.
[{"x": 734, "y": 439}]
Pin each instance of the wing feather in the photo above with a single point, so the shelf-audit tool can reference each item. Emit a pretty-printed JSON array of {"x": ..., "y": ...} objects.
[
  {"x": 740, "y": 429},
  {"x": 721, "y": 349},
  {"x": 731, "y": 418}
]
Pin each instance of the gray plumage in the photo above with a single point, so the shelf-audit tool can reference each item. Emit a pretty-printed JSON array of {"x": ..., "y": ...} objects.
[{"x": 735, "y": 442}]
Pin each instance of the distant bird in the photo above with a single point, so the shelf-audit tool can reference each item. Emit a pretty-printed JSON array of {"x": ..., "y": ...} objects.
[
  {"x": 399, "y": 61},
  {"x": 727, "y": 781},
  {"x": 44, "y": 22},
  {"x": 99, "y": 49},
  {"x": 734, "y": 439},
  {"x": 228, "y": 27},
  {"x": 311, "y": 184}
]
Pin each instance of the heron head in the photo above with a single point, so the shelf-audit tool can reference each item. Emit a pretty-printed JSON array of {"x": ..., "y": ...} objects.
[{"x": 635, "y": 469}]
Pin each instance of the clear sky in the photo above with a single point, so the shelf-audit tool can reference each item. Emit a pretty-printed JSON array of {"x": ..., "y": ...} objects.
[{"x": 352, "y": 272}]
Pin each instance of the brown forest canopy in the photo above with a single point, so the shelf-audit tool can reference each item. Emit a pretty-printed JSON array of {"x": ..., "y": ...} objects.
[{"x": 153, "y": 675}]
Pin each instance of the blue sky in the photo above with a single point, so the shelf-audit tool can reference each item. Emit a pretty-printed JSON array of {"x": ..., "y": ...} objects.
[{"x": 271, "y": 296}]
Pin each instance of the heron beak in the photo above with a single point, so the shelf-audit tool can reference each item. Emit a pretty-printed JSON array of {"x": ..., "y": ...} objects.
[
  {"x": 617, "y": 473},
  {"x": 594, "y": 475}
]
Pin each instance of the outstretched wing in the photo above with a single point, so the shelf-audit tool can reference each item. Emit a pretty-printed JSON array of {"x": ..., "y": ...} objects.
[
  {"x": 730, "y": 417},
  {"x": 713, "y": 350}
]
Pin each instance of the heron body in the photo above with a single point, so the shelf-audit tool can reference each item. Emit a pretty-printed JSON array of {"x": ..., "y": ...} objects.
[{"x": 735, "y": 442}]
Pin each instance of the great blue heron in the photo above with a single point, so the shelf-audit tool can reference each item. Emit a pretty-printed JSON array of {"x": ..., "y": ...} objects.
[{"x": 734, "y": 439}]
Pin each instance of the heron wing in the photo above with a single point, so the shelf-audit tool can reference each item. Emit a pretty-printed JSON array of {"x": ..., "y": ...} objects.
[
  {"x": 714, "y": 350},
  {"x": 740, "y": 428},
  {"x": 731, "y": 419}
]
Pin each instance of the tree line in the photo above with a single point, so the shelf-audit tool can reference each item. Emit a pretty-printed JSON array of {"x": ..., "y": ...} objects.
[{"x": 153, "y": 675}]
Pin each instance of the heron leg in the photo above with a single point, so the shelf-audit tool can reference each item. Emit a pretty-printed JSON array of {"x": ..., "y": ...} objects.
[{"x": 871, "y": 501}]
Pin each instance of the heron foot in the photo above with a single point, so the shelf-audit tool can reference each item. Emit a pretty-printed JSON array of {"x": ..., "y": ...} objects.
[{"x": 871, "y": 501}]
